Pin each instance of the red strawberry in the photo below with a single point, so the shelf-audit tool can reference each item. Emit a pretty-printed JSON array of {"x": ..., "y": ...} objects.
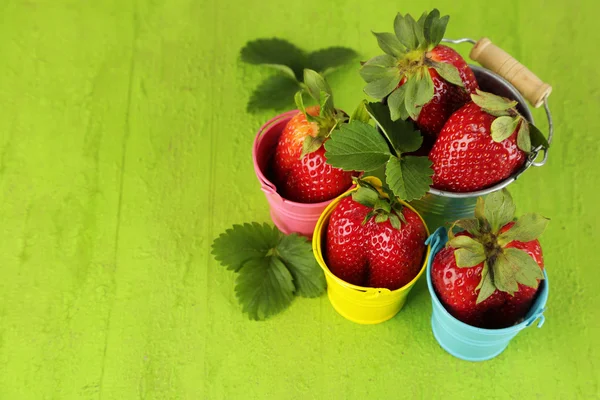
[
  {"x": 506, "y": 293},
  {"x": 483, "y": 143},
  {"x": 418, "y": 77},
  {"x": 362, "y": 251},
  {"x": 307, "y": 179}
]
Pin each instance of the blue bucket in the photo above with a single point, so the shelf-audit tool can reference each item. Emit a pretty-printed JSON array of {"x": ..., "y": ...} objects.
[{"x": 468, "y": 342}]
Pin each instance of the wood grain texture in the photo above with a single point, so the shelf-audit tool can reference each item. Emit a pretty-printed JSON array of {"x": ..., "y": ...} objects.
[{"x": 125, "y": 149}]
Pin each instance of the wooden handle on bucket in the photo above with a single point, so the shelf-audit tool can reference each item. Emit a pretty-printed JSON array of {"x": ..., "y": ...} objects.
[{"x": 494, "y": 58}]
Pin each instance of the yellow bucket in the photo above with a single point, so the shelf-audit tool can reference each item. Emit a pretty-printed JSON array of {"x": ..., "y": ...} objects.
[{"x": 363, "y": 305}]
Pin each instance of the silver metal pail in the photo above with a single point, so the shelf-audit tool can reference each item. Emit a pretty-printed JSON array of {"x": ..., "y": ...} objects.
[{"x": 439, "y": 207}]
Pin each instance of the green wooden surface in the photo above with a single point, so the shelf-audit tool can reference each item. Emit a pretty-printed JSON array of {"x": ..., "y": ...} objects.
[{"x": 125, "y": 149}]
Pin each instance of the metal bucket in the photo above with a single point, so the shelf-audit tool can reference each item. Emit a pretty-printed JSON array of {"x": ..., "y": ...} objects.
[{"x": 439, "y": 207}]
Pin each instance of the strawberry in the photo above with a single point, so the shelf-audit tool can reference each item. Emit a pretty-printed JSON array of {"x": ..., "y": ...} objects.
[
  {"x": 373, "y": 242},
  {"x": 299, "y": 166},
  {"x": 488, "y": 275},
  {"x": 483, "y": 143},
  {"x": 418, "y": 77}
]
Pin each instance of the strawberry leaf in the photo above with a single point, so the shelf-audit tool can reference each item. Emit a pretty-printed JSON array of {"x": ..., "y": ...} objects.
[
  {"x": 409, "y": 178},
  {"x": 275, "y": 53},
  {"x": 410, "y": 97},
  {"x": 492, "y": 101},
  {"x": 356, "y": 146},
  {"x": 250, "y": 241},
  {"x": 275, "y": 93},
  {"x": 529, "y": 272},
  {"x": 296, "y": 253},
  {"x": 420, "y": 32},
  {"x": 486, "y": 285},
  {"x": 326, "y": 60},
  {"x": 400, "y": 134},
  {"x": 449, "y": 72},
  {"x": 467, "y": 243},
  {"x": 311, "y": 144},
  {"x": 376, "y": 67},
  {"x": 379, "y": 218},
  {"x": 523, "y": 138},
  {"x": 315, "y": 84},
  {"x": 405, "y": 27},
  {"x": 272, "y": 267},
  {"x": 389, "y": 43},
  {"x": 381, "y": 87},
  {"x": 394, "y": 221},
  {"x": 365, "y": 196},
  {"x": 499, "y": 209},
  {"x": 504, "y": 274},
  {"x": 360, "y": 113},
  {"x": 299, "y": 100},
  {"x": 527, "y": 228},
  {"x": 466, "y": 258},
  {"x": 264, "y": 287},
  {"x": 435, "y": 27},
  {"x": 503, "y": 127},
  {"x": 396, "y": 105},
  {"x": 537, "y": 137}
]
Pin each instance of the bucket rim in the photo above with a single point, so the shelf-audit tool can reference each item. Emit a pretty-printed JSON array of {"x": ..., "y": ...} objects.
[
  {"x": 317, "y": 251},
  {"x": 539, "y": 303},
  {"x": 528, "y": 162},
  {"x": 267, "y": 186}
]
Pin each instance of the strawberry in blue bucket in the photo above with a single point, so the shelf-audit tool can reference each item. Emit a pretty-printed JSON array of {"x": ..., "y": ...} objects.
[{"x": 489, "y": 273}]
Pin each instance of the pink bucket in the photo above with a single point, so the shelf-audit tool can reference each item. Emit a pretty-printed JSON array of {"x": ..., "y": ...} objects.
[{"x": 287, "y": 215}]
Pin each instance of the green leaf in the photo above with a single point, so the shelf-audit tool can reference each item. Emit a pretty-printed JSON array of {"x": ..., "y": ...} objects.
[
  {"x": 410, "y": 97},
  {"x": 250, "y": 242},
  {"x": 438, "y": 29},
  {"x": 356, "y": 146},
  {"x": 383, "y": 86},
  {"x": 396, "y": 106},
  {"x": 467, "y": 243},
  {"x": 311, "y": 144},
  {"x": 449, "y": 72},
  {"x": 296, "y": 253},
  {"x": 380, "y": 218},
  {"x": 383, "y": 60},
  {"x": 264, "y": 287},
  {"x": 484, "y": 225},
  {"x": 394, "y": 220},
  {"x": 486, "y": 285},
  {"x": 529, "y": 272},
  {"x": 504, "y": 273},
  {"x": 360, "y": 113},
  {"x": 503, "y": 128},
  {"x": 527, "y": 228},
  {"x": 523, "y": 138},
  {"x": 401, "y": 134},
  {"x": 389, "y": 43},
  {"x": 492, "y": 102},
  {"x": 409, "y": 178},
  {"x": 276, "y": 53},
  {"x": 537, "y": 137},
  {"x": 274, "y": 93},
  {"x": 499, "y": 209},
  {"x": 424, "y": 90},
  {"x": 466, "y": 258},
  {"x": 315, "y": 84},
  {"x": 470, "y": 225},
  {"x": 429, "y": 24},
  {"x": 326, "y": 60},
  {"x": 382, "y": 204},
  {"x": 419, "y": 30},
  {"x": 327, "y": 109},
  {"x": 299, "y": 100},
  {"x": 404, "y": 27},
  {"x": 365, "y": 196}
]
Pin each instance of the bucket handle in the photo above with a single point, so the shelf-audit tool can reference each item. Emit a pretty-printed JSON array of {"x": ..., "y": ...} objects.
[
  {"x": 527, "y": 83},
  {"x": 539, "y": 315}
]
